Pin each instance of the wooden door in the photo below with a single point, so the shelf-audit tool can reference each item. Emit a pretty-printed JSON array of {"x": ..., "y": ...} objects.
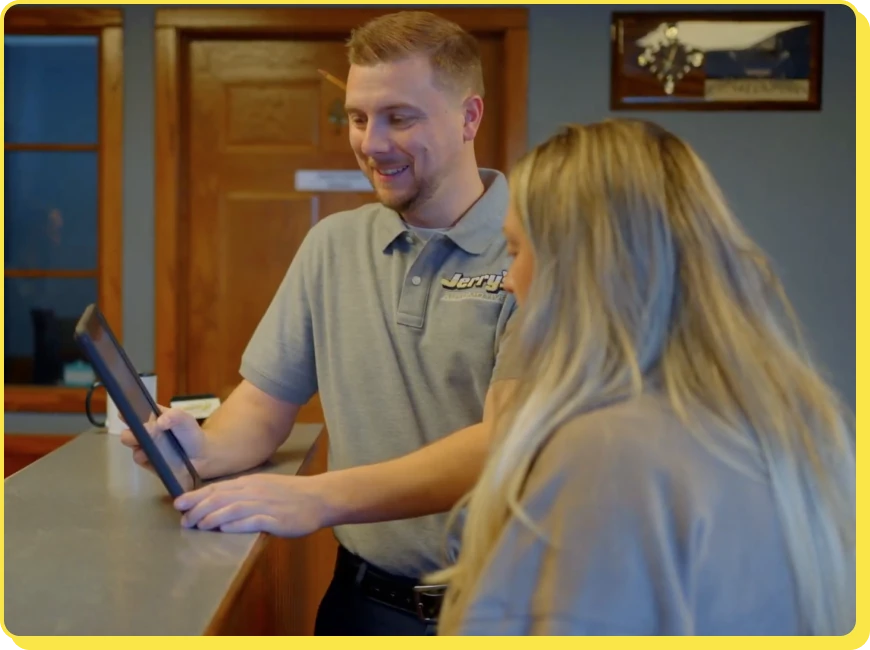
[{"x": 258, "y": 111}]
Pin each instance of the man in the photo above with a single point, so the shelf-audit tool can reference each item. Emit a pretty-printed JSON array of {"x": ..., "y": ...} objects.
[{"x": 396, "y": 314}]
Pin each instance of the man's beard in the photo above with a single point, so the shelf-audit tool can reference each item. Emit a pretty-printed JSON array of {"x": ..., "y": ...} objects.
[
  {"x": 421, "y": 193},
  {"x": 401, "y": 204}
]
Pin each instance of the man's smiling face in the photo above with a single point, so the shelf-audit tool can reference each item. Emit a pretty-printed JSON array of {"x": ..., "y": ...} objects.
[{"x": 405, "y": 129}]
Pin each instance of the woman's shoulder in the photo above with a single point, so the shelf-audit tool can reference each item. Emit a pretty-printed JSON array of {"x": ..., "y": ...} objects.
[
  {"x": 643, "y": 442},
  {"x": 650, "y": 427},
  {"x": 644, "y": 429}
]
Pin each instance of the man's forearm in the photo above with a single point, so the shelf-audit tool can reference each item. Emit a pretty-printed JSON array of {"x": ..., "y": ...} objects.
[
  {"x": 427, "y": 481},
  {"x": 230, "y": 448},
  {"x": 245, "y": 431}
]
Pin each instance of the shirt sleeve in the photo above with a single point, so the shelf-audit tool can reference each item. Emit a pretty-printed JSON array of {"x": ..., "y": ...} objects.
[
  {"x": 507, "y": 364},
  {"x": 612, "y": 564},
  {"x": 279, "y": 359}
]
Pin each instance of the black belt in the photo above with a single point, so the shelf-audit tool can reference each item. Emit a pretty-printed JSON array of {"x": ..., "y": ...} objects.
[{"x": 404, "y": 594}]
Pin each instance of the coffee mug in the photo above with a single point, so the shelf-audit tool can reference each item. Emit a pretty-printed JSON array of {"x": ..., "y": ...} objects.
[{"x": 113, "y": 422}]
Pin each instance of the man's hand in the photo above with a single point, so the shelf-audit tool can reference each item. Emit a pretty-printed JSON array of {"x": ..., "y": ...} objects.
[
  {"x": 243, "y": 433},
  {"x": 183, "y": 425},
  {"x": 288, "y": 506},
  {"x": 427, "y": 481}
]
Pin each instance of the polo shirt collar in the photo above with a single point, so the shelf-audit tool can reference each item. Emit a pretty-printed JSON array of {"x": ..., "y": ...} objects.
[{"x": 475, "y": 231}]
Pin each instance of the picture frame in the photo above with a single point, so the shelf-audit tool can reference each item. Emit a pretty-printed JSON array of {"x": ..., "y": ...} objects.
[{"x": 714, "y": 60}]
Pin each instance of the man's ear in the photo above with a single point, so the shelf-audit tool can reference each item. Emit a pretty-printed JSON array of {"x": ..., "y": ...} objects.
[{"x": 472, "y": 109}]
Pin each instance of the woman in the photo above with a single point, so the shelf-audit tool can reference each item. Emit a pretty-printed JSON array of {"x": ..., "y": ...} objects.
[{"x": 673, "y": 463}]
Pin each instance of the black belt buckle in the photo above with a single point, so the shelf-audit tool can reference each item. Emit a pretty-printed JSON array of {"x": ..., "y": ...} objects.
[{"x": 427, "y": 599}]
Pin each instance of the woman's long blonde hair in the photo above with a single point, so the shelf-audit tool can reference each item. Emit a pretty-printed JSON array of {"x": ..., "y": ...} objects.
[{"x": 641, "y": 271}]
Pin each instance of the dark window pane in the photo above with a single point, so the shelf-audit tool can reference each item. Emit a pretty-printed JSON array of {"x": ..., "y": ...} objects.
[
  {"x": 51, "y": 89},
  {"x": 40, "y": 317},
  {"x": 51, "y": 209}
]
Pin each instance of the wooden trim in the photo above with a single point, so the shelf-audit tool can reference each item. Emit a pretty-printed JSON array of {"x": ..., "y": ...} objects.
[
  {"x": 107, "y": 24},
  {"x": 48, "y": 146},
  {"x": 50, "y": 399},
  {"x": 34, "y": 443},
  {"x": 50, "y": 273},
  {"x": 173, "y": 29},
  {"x": 59, "y": 20},
  {"x": 230, "y": 598},
  {"x": 516, "y": 84},
  {"x": 22, "y": 449},
  {"x": 168, "y": 167},
  {"x": 281, "y": 580},
  {"x": 317, "y": 19},
  {"x": 110, "y": 238}
]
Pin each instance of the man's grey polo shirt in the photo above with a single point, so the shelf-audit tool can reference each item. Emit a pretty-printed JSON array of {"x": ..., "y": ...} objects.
[{"x": 401, "y": 338}]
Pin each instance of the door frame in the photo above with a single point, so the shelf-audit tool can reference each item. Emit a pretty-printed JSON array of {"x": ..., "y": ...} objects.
[{"x": 174, "y": 28}]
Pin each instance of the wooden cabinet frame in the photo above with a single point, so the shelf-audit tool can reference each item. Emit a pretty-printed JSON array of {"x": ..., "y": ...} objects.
[{"x": 107, "y": 24}]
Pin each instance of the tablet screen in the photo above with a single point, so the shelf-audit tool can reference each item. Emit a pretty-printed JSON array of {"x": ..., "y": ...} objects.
[{"x": 139, "y": 398}]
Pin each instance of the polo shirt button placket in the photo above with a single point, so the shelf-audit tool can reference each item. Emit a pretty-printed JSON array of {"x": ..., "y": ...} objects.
[{"x": 412, "y": 302}]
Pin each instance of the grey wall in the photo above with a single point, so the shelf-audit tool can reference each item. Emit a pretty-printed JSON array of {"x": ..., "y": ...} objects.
[{"x": 790, "y": 177}]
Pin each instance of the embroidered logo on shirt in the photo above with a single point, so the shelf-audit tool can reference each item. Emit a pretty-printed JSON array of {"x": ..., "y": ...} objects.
[{"x": 462, "y": 287}]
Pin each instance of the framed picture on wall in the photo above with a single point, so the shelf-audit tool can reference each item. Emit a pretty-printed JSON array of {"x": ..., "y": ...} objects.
[{"x": 709, "y": 60}]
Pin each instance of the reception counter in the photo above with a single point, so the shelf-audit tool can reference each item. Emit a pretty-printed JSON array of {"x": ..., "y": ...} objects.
[{"x": 93, "y": 546}]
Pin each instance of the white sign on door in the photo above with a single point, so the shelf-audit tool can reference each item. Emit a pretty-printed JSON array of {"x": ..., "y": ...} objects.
[{"x": 332, "y": 180}]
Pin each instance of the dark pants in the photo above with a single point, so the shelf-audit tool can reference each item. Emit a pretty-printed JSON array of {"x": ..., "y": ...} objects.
[{"x": 346, "y": 610}]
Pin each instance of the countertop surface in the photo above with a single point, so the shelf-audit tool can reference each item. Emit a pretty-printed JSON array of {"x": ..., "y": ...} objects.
[{"x": 93, "y": 545}]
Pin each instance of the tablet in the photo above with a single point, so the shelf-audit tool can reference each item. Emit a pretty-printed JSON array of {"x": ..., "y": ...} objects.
[{"x": 134, "y": 402}]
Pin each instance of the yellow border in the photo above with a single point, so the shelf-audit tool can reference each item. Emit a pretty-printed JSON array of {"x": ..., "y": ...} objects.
[{"x": 856, "y": 639}]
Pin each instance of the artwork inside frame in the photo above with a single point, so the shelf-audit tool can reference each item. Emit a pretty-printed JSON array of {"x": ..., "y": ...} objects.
[{"x": 716, "y": 60}]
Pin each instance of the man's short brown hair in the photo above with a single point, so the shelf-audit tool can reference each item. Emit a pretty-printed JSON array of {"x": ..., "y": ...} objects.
[{"x": 453, "y": 53}]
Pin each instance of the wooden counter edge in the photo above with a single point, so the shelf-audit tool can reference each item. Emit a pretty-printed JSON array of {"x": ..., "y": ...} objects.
[{"x": 280, "y": 584}]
